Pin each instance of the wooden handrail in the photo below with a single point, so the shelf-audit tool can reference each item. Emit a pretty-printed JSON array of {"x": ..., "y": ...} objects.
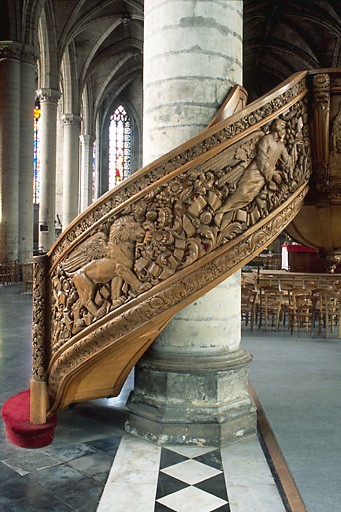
[{"x": 161, "y": 239}]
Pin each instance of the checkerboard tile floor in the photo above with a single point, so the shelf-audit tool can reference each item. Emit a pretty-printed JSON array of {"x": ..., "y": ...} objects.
[
  {"x": 185, "y": 480},
  {"x": 150, "y": 478}
]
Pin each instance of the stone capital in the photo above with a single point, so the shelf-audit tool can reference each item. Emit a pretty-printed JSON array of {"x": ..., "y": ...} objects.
[
  {"x": 87, "y": 139},
  {"x": 48, "y": 95},
  {"x": 29, "y": 54},
  {"x": 10, "y": 50},
  {"x": 71, "y": 119}
]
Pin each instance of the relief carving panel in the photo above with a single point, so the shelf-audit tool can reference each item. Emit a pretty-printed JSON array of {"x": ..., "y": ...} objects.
[
  {"x": 138, "y": 183},
  {"x": 185, "y": 218}
]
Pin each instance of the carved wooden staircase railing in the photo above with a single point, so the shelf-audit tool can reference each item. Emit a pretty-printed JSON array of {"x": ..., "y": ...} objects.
[{"x": 161, "y": 239}]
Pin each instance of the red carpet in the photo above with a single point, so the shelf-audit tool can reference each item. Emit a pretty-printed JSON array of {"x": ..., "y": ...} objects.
[{"x": 20, "y": 431}]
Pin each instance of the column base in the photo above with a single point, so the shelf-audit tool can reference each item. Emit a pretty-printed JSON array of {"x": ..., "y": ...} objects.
[{"x": 205, "y": 401}]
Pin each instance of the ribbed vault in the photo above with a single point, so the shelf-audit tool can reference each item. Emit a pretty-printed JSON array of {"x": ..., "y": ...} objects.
[{"x": 285, "y": 36}]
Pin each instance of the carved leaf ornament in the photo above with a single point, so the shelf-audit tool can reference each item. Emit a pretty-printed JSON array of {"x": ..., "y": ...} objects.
[{"x": 172, "y": 231}]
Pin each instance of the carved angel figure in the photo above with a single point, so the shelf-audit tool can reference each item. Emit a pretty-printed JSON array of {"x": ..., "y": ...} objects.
[
  {"x": 261, "y": 171},
  {"x": 112, "y": 264}
]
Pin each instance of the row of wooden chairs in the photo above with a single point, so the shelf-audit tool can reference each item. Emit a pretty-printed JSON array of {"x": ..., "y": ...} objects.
[
  {"x": 9, "y": 272},
  {"x": 307, "y": 307},
  {"x": 296, "y": 280}
]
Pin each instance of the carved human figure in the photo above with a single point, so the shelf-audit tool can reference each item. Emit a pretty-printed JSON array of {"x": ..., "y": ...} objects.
[
  {"x": 116, "y": 268},
  {"x": 261, "y": 170},
  {"x": 336, "y": 132}
]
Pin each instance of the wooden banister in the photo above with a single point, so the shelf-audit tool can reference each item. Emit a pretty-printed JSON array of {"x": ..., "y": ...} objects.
[{"x": 161, "y": 239}]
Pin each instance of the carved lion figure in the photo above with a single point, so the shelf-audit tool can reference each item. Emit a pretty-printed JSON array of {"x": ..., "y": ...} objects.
[{"x": 115, "y": 268}]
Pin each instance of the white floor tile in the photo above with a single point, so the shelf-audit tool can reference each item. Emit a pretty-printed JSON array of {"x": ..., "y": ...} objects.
[
  {"x": 250, "y": 485},
  {"x": 131, "y": 485},
  {"x": 192, "y": 499},
  {"x": 191, "y": 471}
]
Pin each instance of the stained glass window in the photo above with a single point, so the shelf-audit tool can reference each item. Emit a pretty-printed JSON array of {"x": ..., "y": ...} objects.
[
  {"x": 119, "y": 146},
  {"x": 36, "y": 155},
  {"x": 93, "y": 180}
]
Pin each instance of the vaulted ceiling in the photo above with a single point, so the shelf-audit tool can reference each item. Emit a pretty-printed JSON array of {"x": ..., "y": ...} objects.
[
  {"x": 104, "y": 39},
  {"x": 285, "y": 36}
]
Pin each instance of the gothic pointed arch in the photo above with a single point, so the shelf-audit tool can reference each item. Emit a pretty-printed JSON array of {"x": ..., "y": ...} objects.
[{"x": 48, "y": 76}]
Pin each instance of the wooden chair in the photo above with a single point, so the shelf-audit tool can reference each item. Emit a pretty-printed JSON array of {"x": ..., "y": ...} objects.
[
  {"x": 302, "y": 311},
  {"x": 287, "y": 289},
  {"x": 248, "y": 305},
  {"x": 27, "y": 276},
  {"x": 269, "y": 306},
  {"x": 3, "y": 273},
  {"x": 9, "y": 272},
  {"x": 328, "y": 310}
]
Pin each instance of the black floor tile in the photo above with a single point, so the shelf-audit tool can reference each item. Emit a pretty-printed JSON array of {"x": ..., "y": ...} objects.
[
  {"x": 92, "y": 464},
  {"x": 215, "y": 485},
  {"x": 75, "y": 494},
  {"x": 168, "y": 485},
  {"x": 6, "y": 473},
  {"x": 108, "y": 445},
  {"x": 162, "y": 508},
  {"x": 169, "y": 458},
  {"x": 22, "y": 496},
  {"x": 67, "y": 453},
  {"x": 57, "y": 477},
  {"x": 212, "y": 459}
]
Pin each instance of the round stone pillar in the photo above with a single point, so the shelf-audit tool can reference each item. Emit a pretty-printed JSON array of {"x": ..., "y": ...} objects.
[
  {"x": 192, "y": 56},
  {"x": 59, "y": 166},
  {"x": 48, "y": 106},
  {"x": 87, "y": 146},
  {"x": 9, "y": 148},
  {"x": 71, "y": 168},
  {"x": 27, "y": 95},
  {"x": 191, "y": 387},
  {"x": 97, "y": 184}
]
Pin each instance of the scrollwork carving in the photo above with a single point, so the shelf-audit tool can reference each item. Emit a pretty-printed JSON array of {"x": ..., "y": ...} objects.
[{"x": 39, "y": 341}]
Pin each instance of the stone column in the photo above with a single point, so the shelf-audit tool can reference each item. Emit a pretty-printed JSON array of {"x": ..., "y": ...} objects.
[
  {"x": 27, "y": 95},
  {"x": 98, "y": 189},
  {"x": 9, "y": 148},
  {"x": 87, "y": 144},
  {"x": 59, "y": 166},
  {"x": 71, "y": 168},
  {"x": 48, "y": 105},
  {"x": 191, "y": 387}
]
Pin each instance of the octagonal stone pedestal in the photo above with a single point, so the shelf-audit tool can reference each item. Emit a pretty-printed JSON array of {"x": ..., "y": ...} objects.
[{"x": 193, "y": 401}]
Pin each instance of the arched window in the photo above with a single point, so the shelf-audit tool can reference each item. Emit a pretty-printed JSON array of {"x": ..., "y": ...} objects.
[
  {"x": 36, "y": 155},
  {"x": 119, "y": 146}
]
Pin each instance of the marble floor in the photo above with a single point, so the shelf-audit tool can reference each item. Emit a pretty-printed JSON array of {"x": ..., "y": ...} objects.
[{"x": 93, "y": 465}]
